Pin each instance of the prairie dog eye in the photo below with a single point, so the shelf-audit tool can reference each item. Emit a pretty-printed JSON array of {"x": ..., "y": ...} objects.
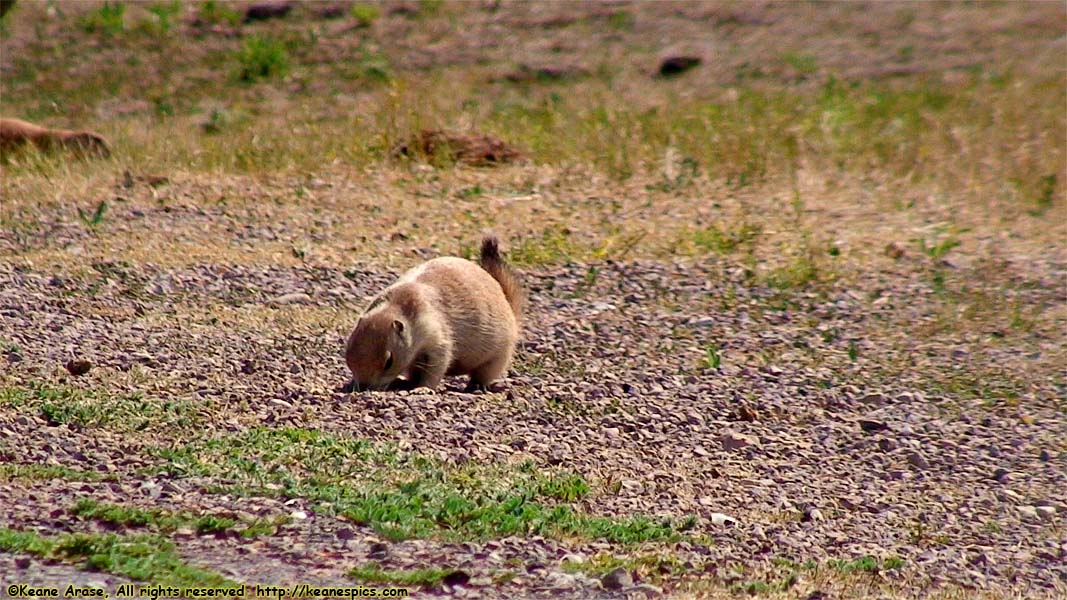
[{"x": 388, "y": 361}]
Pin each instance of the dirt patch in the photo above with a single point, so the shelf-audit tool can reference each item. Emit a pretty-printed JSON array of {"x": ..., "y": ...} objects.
[
  {"x": 472, "y": 149},
  {"x": 609, "y": 383}
]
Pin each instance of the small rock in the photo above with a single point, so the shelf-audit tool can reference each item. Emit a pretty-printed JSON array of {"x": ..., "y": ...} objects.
[
  {"x": 894, "y": 250},
  {"x": 573, "y": 559},
  {"x": 267, "y": 10},
  {"x": 1045, "y": 456},
  {"x": 1002, "y": 475},
  {"x": 1045, "y": 512},
  {"x": 731, "y": 440},
  {"x": 378, "y": 551},
  {"x": 917, "y": 460},
  {"x": 646, "y": 589},
  {"x": 745, "y": 413},
  {"x": 876, "y": 399},
  {"x": 298, "y": 515},
  {"x": 456, "y": 578},
  {"x": 22, "y": 562},
  {"x": 870, "y": 426},
  {"x": 78, "y": 366},
  {"x": 813, "y": 514},
  {"x": 676, "y": 65},
  {"x": 694, "y": 418},
  {"x": 722, "y": 520},
  {"x": 617, "y": 579},
  {"x": 294, "y": 298},
  {"x": 1028, "y": 512}
]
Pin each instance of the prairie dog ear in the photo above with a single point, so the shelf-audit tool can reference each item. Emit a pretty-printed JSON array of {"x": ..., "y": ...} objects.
[{"x": 398, "y": 325}]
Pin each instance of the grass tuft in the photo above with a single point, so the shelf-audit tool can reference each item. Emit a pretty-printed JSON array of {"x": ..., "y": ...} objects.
[
  {"x": 374, "y": 574},
  {"x": 262, "y": 57},
  {"x": 365, "y": 13},
  {"x": 109, "y": 19}
]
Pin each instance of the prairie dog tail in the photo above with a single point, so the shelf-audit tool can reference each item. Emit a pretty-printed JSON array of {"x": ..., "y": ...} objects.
[{"x": 494, "y": 264}]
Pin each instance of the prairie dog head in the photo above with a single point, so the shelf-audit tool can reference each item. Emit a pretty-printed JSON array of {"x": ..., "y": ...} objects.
[{"x": 379, "y": 349}]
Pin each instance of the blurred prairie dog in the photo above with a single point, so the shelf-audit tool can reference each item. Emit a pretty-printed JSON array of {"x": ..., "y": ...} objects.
[
  {"x": 15, "y": 133},
  {"x": 448, "y": 316}
]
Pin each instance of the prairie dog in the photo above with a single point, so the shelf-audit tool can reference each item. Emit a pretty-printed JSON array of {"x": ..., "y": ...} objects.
[
  {"x": 15, "y": 133},
  {"x": 448, "y": 316}
]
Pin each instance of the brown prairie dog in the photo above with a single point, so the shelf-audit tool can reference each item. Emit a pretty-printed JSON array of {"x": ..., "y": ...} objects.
[
  {"x": 448, "y": 316},
  {"x": 15, "y": 133}
]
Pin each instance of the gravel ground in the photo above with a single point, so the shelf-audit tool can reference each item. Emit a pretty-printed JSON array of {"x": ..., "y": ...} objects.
[{"x": 814, "y": 455}]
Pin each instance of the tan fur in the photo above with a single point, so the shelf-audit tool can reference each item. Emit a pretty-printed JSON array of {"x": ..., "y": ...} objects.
[
  {"x": 448, "y": 316},
  {"x": 16, "y": 133}
]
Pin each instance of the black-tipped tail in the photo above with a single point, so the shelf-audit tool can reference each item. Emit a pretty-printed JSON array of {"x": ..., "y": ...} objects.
[{"x": 494, "y": 264}]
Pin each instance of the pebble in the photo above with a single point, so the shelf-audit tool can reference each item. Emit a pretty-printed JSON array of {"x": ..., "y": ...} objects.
[
  {"x": 574, "y": 559},
  {"x": 78, "y": 366},
  {"x": 294, "y": 298},
  {"x": 917, "y": 460},
  {"x": 1045, "y": 512},
  {"x": 870, "y": 425},
  {"x": 732, "y": 440},
  {"x": 722, "y": 520},
  {"x": 1028, "y": 512},
  {"x": 617, "y": 579}
]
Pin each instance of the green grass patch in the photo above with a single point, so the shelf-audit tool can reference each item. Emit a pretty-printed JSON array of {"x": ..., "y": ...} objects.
[
  {"x": 724, "y": 239},
  {"x": 405, "y": 495},
  {"x": 801, "y": 271},
  {"x": 139, "y": 557},
  {"x": 13, "y": 472},
  {"x": 374, "y": 574},
  {"x": 213, "y": 12},
  {"x": 91, "y": 408},
  {"x": 557, "y": 245},
  {"x": 261, "y": 57},
  {"x": 164, "y": 17},
  {"x": 712, "y": 358},
  {"x": 554, "y": 246},
  {"x": 94, "y": 218},
  {"x": 867, "y": 564},
  {"x": 166, "y": 522},
  {"x": 622, "y": 20},
  {"x": 804, "y": 64},
  {"x": 656, "y": 566},
  {"x": 365, "y": 14},
  {"x": 109, "y": 19}
]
